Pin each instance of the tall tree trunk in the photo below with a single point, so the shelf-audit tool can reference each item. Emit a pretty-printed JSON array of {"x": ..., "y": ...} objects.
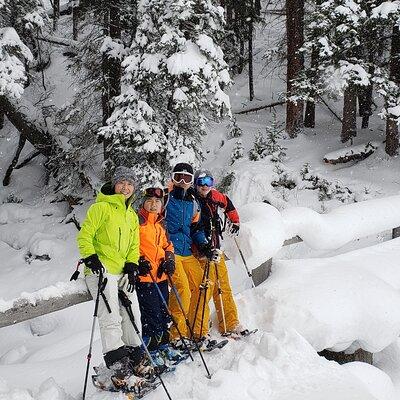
[
  {"x": 365, "y": 98},
  {"x": 257, "y": 7},
  {"x": 75, "y": 19},
  {"x": 229, "y": 13},
  {"x": 111, "y": 69},
  {"x": 349, "y": 124},
  {"x": 309, "y": 118},
  {"x": 392, "y": 129},
  {"x": 56, "y": 13},
  {"x": 250, "y": 44},
  {"x": 295, "y": 62},
  {"x": 1, "y": 120}
]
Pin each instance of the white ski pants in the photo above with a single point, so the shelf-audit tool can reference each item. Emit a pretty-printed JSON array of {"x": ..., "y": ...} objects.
[{"x": 116, "y": 328}]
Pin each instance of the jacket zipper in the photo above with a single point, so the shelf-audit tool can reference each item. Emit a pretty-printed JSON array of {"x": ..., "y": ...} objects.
[
  {"x": 158, "y": 234},
  {"x": 119, "y": 240}
]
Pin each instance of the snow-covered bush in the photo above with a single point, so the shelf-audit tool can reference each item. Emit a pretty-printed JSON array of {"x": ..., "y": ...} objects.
[
  {"x": 234, "y": 130},
  {"x": 268, "y": 144},
  {"x": 260, "y": 147},
  {"x": 238, "y": 151},
  {"x": 326, "y": 190}
]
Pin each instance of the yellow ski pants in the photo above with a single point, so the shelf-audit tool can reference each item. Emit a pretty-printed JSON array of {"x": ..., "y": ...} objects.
[
  {"x": 228, "y": 302},
  {"x": 188, "y": 278}
]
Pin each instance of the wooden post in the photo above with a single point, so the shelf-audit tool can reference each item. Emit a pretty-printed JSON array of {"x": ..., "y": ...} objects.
[{"x": 22, "y": 310}]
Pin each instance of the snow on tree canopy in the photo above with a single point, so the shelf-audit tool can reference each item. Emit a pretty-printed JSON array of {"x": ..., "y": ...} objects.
[
  {"x": 12, "y": 69},
  {"x": 386, "y": 9},
  {"x": 112, "y": 49},
  {"x": 177, "y": 69},
  {"x": 188, "y": 61}
]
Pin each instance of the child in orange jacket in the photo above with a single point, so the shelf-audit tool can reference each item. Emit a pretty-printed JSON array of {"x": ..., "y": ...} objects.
[{"x": 156, "y": 260}]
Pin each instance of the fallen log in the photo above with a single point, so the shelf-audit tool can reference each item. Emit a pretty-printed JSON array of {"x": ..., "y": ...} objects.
[
  {"x": 352, "y": 153},
  {"x": 262, "y": 107}
]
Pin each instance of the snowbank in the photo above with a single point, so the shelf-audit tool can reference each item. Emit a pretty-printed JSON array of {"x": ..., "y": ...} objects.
[
  {"x": 343, "y": 224},
  {"x": 378, "y": 383},
  {"x": 261, "y": 235},
  {"x": 347, "y": 301}
]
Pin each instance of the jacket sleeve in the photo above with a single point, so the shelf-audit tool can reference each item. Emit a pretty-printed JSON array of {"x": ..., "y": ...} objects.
[
  {"x": 196, "y": 228},
  {"x": 226, "y": 204},
  {"x": 134, "y": 251},
  {"x": 95, "y": 217},
  {"x": 166, "y": 242}
]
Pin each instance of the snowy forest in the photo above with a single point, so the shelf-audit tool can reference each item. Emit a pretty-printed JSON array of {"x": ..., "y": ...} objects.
[{"x": 293, "y": 105}]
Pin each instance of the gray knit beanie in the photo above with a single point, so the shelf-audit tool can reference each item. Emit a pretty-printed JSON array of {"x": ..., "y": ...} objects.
[{"x": 123, "y": 174}]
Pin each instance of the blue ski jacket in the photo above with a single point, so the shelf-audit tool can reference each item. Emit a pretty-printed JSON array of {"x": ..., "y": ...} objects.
[{"x": 182, "y": 217}]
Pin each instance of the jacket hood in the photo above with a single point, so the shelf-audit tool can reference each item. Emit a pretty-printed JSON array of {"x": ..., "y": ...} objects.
[{"x": 108, "y": 195}]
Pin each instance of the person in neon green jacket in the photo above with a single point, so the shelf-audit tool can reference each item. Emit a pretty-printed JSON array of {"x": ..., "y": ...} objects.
[{"x": 109, "y": 241}]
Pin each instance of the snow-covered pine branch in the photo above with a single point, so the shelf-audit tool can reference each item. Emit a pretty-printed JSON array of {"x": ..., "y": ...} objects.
[{"x": 173, "y": 83}]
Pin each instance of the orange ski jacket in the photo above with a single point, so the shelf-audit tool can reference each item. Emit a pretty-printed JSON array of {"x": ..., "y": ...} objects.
[{"x": 155, "y": 245}]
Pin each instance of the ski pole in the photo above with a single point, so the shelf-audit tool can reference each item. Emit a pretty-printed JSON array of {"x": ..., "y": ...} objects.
[
  {"x": 198, "y": 302},
  {"x": 179, "y": 300},
  {"x": 244, "y": 263},
  {"x": 170, "y": 315},
  {"x": 220, "y": 296},
  {"x": 100, "y": 288},
  {"x": 127, "y": 304},
  {"x": 205, "y": 298}
]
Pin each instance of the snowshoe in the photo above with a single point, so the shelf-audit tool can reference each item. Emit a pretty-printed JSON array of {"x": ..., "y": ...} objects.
[
  {"x": 237, "y": 335},
  {"x": 215, "y": 345},
  {"x": 173, "y": 356},
  {"x": 206, "y": 344},
  {"x": 135, "y": 385},
  {"x": 161, "y": 365}
]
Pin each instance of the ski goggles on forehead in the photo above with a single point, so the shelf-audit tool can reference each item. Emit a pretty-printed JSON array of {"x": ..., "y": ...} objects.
[
  {"x": 154, "y": 192},
  {"x": 182, "y": 177},
  {"x": 205, "y": 181}
]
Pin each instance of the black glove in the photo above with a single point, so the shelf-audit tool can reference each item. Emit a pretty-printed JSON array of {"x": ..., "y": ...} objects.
[
  {"x": 144, "y": 266},
  {"x": 131, "y": 271},
  {"x": 234, "y": 229},
  {"x": 206, "y": 250},
  {"x": 167, "y": 266},
  {"x": 94, "y": 264}
]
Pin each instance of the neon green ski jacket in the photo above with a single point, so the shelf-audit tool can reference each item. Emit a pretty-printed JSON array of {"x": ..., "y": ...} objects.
[{"x": 111, "y": 230}]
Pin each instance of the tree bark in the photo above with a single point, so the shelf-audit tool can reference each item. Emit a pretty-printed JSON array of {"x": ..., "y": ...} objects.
[
  {"x": 250, "y": 44},
  {"x": 349, "y": 124},
  {"x": 75, "y": 19},
  {"x": 295, "y": 63},
  {"x": 56, "y": 13},
  {"x": 7, "y": 176},
  {"x": 257, "y": 7},
  {"x": 111, "y": 69},
  {"x": 392, "y": 129},
  {"x": 309, "y": 118},
  {"x": 365, "y": 98}
]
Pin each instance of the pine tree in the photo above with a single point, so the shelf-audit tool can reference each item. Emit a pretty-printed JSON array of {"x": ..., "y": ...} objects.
[
  {"x": 19, "y": 20},
  {"x": 237, "y": 152},
  {"x": 174, "y": 79},
  {"x": 260, "y": 147}
]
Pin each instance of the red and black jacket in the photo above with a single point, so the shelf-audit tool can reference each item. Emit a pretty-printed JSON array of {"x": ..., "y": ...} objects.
[{"x": 209, "y": 214}]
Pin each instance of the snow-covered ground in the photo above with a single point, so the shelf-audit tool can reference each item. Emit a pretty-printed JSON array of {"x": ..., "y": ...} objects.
[{"x": 339, "y": 296}]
